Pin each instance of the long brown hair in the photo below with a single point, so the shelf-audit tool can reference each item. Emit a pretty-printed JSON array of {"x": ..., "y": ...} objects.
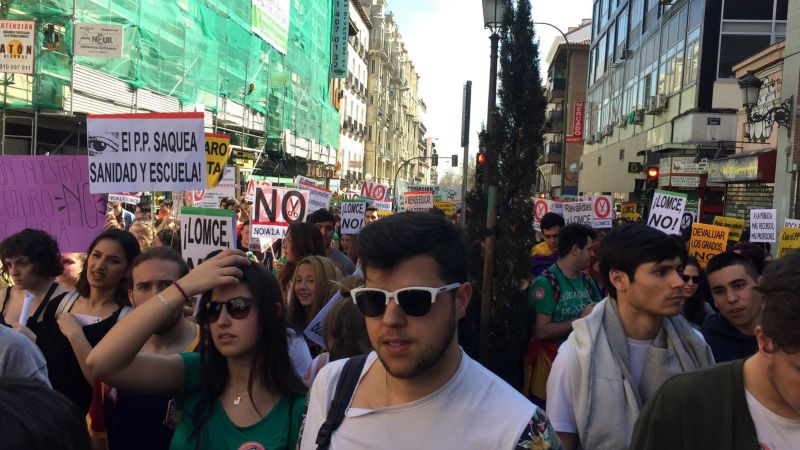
[
  {"x": 306, "y": 241},
  {"x": 326, "y": 278}
]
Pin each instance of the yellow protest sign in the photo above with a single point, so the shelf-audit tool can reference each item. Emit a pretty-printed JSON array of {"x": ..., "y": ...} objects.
[
  {"x": 790, "y": 240},
  {"x": 628, "y": 211},
  {"x": 218, "y": 149},
  {"x": 707, "y": 241},
  {"x": 382, "y": 213},
  {"x": 736, "y": 226},
  {"x": 449, "y": 208}
]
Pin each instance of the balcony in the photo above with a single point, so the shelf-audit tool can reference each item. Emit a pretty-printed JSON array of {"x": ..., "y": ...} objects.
[
  {"x": 555, "y": 92},
  {"x": 552, "y": 153},
  {"x": 554, "y": 121}
]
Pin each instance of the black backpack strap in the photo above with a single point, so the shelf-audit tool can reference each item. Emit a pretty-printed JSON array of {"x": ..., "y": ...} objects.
[
  {"x": 554, "y": 286},
  {"x": 345, "y": 388}
]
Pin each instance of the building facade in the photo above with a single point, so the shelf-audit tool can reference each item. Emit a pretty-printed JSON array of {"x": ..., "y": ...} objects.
[{"x": 661, "y": 84}]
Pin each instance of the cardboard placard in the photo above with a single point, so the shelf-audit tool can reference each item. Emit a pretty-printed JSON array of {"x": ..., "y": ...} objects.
[
  {"x": 763, "y": 225},
  {"x": 420, "y": 201},
  {"x": 602, "y": 211},
  {"x": 250, "y": 193},
  {"x": 274, "y": 209},
  {"x": 449, "y": 208},
  {"x": 735, "y": 225},
  {"x": 50, "y": 193},
  {"x": 383, "y": 206},
  {"x": 353, "y": 216},
  {"x": 791, "y": 223},
  {"x": 130, "y": 198},
  {"x": 226, "y": 187},
  {"x": 790, "y": 241},
  {"x": 540, "y": 208},
  {"x": 146, "y": 152},
  {"x": 707, "y": 241},
  {"x": 314, "y": 330},
  {"x": 379, "y": 192},
  {"x": 666, "y": 211},
  {"x": 204, "y": 230},
  {"x": 218, "y": 150},
  {"x": 318, "y": 197},
  {"x": 578, "y": 212},
  {"x": 628, "y": 211}
]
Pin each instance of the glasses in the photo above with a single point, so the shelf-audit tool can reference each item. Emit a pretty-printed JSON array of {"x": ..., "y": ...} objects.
[
  {"x": 695, "y": 278},
  {"x": 237, "y": 307},
  {"x": 415, "y": 301}
]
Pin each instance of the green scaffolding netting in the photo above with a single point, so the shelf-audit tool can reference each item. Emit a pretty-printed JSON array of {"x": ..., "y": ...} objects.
[{"x": 194, "y": 50}]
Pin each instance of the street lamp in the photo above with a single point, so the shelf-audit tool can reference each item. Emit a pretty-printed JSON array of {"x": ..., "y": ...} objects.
[
  {"x": 377, "y": 132},
  {"x": 493, "y": 14},
  {"x": 750, "y": 86}
]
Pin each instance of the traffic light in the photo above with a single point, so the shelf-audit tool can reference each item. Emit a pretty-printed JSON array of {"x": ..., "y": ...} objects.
[
  {"x": 480, "y": 168},
  {"x": 652, "y": 173},
  {"x": 651, "y": 183},
  {"x": 454, "y": 160},
  {"x": 435, "y": 159}
]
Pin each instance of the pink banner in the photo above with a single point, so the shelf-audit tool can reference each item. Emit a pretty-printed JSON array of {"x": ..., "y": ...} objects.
[{"x": 50, "y": 193}]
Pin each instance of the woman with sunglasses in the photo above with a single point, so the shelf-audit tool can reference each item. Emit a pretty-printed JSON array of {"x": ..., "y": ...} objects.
[
  {"x": 240, "y": 390},
  {"x": 697, "y": 293}
]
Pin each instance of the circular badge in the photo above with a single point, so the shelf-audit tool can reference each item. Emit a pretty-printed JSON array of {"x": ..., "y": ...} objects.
[
  {"x": 538, "y": 293},
  {"x": 251, "y": 446}
]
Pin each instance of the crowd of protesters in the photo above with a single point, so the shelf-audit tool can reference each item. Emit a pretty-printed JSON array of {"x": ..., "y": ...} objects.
[{"x": 330, "y": 340}]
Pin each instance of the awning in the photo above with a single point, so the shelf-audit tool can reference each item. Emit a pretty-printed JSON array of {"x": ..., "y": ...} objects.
[{"x": 751, "y": 166}]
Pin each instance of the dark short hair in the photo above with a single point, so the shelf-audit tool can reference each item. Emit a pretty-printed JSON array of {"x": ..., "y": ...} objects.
[
  {"x": 371, "y": 208},
  {"x": 780, "y": 286},
  {"x": 574, "y": 234},
  {"x": 130, "y": 246},
  {"x": 39, "y": 247},
  {"x": 145, "y": 207},
  {"x": 551, "y": 220},
  {"x": 171, "y": 237},
  {"x": 388, "y": 242},
  {"x": 166, "y": 202},
  {"x": 320, "y": 216},
  {"x": 630, "y": 245},
  {"x": 754, "y": 252},
  {"x": 728, "y": 259},
  {"x": 162, "y": 253}
]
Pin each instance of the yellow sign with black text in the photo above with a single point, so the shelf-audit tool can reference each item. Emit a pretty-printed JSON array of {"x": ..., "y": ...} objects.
[
  {"x": 218, "y": 150},
  {"x": 790, "y": 241},
  {"x": 736, "y": 226},
  {"x": 707, "y": 241}
]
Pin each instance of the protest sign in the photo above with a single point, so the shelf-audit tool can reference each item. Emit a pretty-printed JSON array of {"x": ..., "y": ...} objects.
[
  {"x": 299, "y": 179},
  {"x": 790, "y": 241},
  {"x": 314, "y": 329},
  {"x": 707, "y": 241},
  {"x": 666, "y": 211},
  {"x": 578, "y": 212},
  {"x": 447, "y": 194},
  {"x": 204, "y": 230},
  {"x": 318, "y": 197},
  {"x": 540, "y": 208},
  {"x": 736, "y": 226},
  {"x": 353, "y": 216},
  {"x": 449, "y": 208},
  {"x": 602, "y": 211},
  {"x": 250, "y": 193},
  {"x": 50, "y": 193},
  {"x": 382, "y": 213},
  {"x": 377, "y": 191},
  {"x": 274, "y": 209},
  {"x": 226, "y": 187},
  {"x": 130, "y": 198},
  {"x": 628, "y": 211},
  {"x": 762, "y": 225},
  {"x": 791, "y": 223},
  {"x": 146, "y": 152},
  {"x": 383, "y": 206},
  {"x": 218, "y": 150},
  {"x": 418, "y": 200}
]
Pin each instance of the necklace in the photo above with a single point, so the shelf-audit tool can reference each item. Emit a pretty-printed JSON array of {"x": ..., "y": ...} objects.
[{"x": 238, "y": 399}]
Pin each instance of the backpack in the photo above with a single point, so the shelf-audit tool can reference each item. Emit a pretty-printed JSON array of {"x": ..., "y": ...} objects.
[
  {"x": 345, "y": 388},
  {"x": 556, "y": 287}
]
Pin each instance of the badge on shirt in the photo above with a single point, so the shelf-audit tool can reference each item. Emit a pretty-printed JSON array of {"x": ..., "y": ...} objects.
[
  {"x": 538, "y": 293},
  {"x": 251, "y": 446}
]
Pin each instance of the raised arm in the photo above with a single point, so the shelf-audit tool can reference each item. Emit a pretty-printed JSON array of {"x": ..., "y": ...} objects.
[{"x": 116, "y": 359}]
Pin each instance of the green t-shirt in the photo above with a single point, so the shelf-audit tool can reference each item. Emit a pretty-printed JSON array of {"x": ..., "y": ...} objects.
[
  {"x": 272, "y": 432},
  {"x": 573, "y": 296}
]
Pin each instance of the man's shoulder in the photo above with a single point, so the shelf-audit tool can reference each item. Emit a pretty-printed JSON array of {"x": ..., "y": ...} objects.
[
  {"x": 541, "y": 249},
  {"x": 341, "y": 260},
  {"x": 496, "y": 390},
  {"x": 709, "y": 381}
]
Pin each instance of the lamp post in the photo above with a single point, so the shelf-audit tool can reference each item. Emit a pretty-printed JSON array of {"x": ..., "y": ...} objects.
[
  {"x": 493, "y": 14},
  {"x": 564, "y": 107},
  {"x": 377, "y": 132},
  {"x": 750, "y": 86}
]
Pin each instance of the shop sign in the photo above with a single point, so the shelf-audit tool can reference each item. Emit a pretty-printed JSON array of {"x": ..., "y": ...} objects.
[
  {"x": 243, "y": 159},
  {"x": 733, "y": 169}
]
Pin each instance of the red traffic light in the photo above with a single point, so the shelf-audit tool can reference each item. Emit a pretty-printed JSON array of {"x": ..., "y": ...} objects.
[
  {"x": 481, "y": 160},
  {"x": 652, "y": 173}
]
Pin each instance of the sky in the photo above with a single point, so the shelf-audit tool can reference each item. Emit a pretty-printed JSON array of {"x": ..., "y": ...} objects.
[{"x": 448, "y": 44}]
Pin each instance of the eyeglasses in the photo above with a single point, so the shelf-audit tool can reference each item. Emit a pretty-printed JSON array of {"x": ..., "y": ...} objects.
[
  {"x": 415, "y": 301},
  {"x": 695, "y": 278},
  {"x": 237, "y": 307}
]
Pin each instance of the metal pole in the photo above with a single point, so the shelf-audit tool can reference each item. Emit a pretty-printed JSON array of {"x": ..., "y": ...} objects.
[
  {"x": 491, "y": 209},
  {"x": 465, "y": 116}
]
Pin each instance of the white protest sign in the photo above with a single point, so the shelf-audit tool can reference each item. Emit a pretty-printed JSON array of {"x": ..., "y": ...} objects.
[
  {"x": 602, "y": 211},
  {"x": 666, "y": 211},
  {"x": 578, "y": 212},
  {"x": 250, "y": 193},
  {"x": 382, "y": 206},
  {"x": 540, "y": 208},
  {"x": 299, "y": 179},
  {"x": 210, "y": 198},
  {"x": 318, "y": 197},
  {"x": 314, "y": 329},
  {"x": 131, "y": 198},
  {"x": 274, "y": 209},
  {"x": 379, "y": 192},
  {"x": 204, "y": 230},
  {"x": 418, "y": 201},
  {"x": 762, "y": 225},
  {"x": 146, "y": 152},
  {"x": 791, "y": 223},
  {"x": 353, "y": 216}
]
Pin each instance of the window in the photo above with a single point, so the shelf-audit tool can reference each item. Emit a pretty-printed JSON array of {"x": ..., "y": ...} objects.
[
  {"x": 692, "y": 61},
  {"x": 372, "y": 66},
  {"x": 748, "y": 9},
  {"x": 695, "y": 14},
  {"x": 622, "y": 154},
  {"x": 736, "y": 47}
]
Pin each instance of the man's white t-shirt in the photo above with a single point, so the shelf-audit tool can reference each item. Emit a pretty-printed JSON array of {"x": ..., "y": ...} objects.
[
  {"x": 773, "y": 431},
  {"x": 475, "y": 409}
]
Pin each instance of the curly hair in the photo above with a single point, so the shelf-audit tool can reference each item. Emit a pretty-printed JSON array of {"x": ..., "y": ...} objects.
[
  {"x": 780, "y": 287},
  {"x": 39, "y": 247},
  {"x": 147, "y": 233}
]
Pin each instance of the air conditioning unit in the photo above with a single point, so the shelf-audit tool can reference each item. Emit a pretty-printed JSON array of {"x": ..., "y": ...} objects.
[
  {"x": 625, "y": 54},
  {"x": 652, "y": 105},
  {"x": 622, "y": 122},
  {"x": 661, "y": 102},
  {"x": 638, "y": 117},
  {"x": 589, "y": 139},
  {"x": 609, "y": 129}
]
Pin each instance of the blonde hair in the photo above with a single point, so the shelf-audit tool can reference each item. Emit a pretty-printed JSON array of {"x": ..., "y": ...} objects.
[
  {"x": 149, "y": 233},
  {"x": 326, "y": 279}
]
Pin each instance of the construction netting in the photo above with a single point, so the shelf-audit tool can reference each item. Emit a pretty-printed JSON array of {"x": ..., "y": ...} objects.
[{"x": 194, "y": 50}]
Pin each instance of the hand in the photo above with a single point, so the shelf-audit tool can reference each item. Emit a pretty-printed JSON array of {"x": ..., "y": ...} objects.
[
  {"x": 111, "y": 222},
  {"x": 24, "y": 330},
  {"x": 588, "y": 309},
  {"x": 217, "y": 271},
  {"x": 278, "y": 265},
  {"x": 69, "y": 325}
]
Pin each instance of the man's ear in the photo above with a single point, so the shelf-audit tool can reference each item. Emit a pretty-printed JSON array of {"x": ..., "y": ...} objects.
[
  {"x": 462, "y": 298},
  {"x": 619, "y": 279}
]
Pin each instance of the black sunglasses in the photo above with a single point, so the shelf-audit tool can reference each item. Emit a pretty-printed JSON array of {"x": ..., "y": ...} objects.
[
  {"x": 414, "y": 301},
  {"x": 237, "y": 307},
  {"x": 695, "y": 278}
]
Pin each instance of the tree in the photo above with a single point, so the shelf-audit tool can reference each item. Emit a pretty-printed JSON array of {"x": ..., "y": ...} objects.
[
  {"x": 453, "y": 175},
  {"x": 515, "y": 143}
]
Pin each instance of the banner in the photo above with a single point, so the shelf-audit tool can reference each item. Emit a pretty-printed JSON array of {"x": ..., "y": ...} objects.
[
  {"x": 449, "y": 208},
  {"x": 274, "y": 209},
  {"x": 602, "y": 211},
  {"x": 578, "y": 212},
  {"x": 218, "y": 150},
  {"x": 17, "y": 38},
  {"x": 762, "y": 225},
  {"x": 418, "y": 201},
  {"x": 629, "y": 211},
  {"x": 50, "y": 193},
  {"x": 204, "y": 230},
  {"x": 250, "y": 193},
  {"x": 577, "y": 124},
  {"x": 318, "y": 197},
  {"x": 146, "y": 152},
  {"x": 99, "y": 40},
  {"x": 130, "y": 198},
  {"x": 353, "y": 216},
  {"x": 226, "y": 187},
  {"x": 270, "y": 21},
  {"x": 706, "y": 242},
  {"x": 736, "y": 226},
  {"x": 379, "y": 192},
  {"x": 790, "y": 240},
  {"x": 666, "y": 211}
]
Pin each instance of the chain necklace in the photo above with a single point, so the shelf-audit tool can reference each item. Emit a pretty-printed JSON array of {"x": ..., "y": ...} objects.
[{"x": 238, "y": 399}]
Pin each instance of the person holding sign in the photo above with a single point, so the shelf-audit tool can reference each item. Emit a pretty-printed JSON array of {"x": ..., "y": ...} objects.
[
  {"x": 315, "y": 281},
  {"x": 241, "y": 390}
]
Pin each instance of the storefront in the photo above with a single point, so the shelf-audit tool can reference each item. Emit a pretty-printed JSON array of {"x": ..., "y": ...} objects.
[
  {"x": 749, "y": 180},
  {"x": 684, "y": 174}
]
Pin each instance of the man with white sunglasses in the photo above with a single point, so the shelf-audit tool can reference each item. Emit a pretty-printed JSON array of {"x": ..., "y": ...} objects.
[{"x": 418, "y": 389}]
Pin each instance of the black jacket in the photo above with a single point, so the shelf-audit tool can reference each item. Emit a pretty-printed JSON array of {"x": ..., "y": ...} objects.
[{"x": 727, "y": 343}]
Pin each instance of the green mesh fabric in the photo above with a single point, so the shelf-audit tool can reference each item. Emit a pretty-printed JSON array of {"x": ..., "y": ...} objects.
[{"x": 194, "y": 50}]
